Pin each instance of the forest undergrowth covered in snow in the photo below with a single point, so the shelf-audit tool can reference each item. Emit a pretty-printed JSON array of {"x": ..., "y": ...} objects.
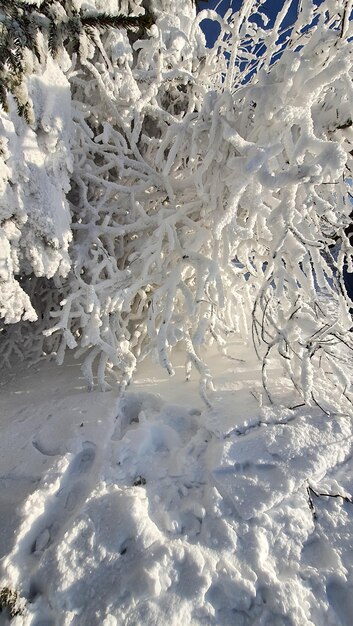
[{"x": 173, "y": 232}]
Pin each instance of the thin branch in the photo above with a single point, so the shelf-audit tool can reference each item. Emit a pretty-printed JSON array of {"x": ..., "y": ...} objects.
[{"x": 330, "y": 495}]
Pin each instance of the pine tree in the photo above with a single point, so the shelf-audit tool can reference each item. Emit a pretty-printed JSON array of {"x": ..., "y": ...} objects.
[{"x": 60, "y": 24}]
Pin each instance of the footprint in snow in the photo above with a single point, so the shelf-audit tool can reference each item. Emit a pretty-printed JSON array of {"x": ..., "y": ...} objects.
[
  {"x": 74, "y": 488},
  {"x": 82, "y": 462},
  {"x": 39, "y": 533},
  {"x": 340, "y": 597},
  {"x": 129, "y": 409}
]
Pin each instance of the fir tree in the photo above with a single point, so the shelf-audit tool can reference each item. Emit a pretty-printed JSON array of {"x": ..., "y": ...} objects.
[{"x": 21, "y": 23}]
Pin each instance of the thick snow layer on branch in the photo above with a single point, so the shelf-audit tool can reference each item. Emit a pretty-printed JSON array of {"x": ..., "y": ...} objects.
[
  {"x": 205, "y": 187},
  {"x": 35, "y": 167}
]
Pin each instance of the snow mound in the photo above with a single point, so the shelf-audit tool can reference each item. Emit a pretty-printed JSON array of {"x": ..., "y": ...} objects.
[{"x": 147, "y": 508}]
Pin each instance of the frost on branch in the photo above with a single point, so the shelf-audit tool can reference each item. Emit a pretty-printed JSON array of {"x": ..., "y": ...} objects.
[
  {"x": 209, "y": 188},
  {"x": 34, "y": 215}
]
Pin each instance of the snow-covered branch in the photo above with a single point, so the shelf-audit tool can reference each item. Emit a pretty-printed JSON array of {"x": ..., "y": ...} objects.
[{"x": 207, "y": 189}]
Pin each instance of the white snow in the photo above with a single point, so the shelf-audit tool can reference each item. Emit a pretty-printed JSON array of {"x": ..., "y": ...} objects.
[
  {"x": 160, "y": 201},
  {"x": 148, "y": 508}
]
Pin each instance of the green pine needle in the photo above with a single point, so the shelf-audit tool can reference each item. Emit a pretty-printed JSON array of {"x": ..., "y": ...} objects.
[
  {"x": 22, "y": 22},
  {"x": 103, "y": 21}
]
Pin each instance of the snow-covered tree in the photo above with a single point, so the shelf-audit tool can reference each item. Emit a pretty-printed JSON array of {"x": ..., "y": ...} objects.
[
  {"x": 37, "y": 43},
  {"x": 36, "y": 162},
  {"x": 203, "y": 190}
]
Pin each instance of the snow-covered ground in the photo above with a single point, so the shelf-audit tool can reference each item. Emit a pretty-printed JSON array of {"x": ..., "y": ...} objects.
[{"x": 151, "y": 509}]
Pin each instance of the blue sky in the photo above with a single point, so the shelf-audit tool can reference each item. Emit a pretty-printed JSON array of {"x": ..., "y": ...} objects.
[{"x": 270, "y": 7}]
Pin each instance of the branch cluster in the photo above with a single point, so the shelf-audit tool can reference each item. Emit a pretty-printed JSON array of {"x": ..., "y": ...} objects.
[{"x": 204, "y": 191}]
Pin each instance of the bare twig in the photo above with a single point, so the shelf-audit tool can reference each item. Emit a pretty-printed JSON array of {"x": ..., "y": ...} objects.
[{"x": 330, "y": 495}]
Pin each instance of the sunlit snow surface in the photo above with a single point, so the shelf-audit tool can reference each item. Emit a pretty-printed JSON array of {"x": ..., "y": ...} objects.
[{"x": 150, "y": 509}]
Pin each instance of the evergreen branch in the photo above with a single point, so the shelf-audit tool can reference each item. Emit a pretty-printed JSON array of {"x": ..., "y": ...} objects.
[
  {"x": 7, "y": 7},
  {"x": 14, "y": 60},
  {"x": 129, "y": 22},
  {"x": 53, "y": 38},
  {"x": 30, "y": 32},
  {"x": 22, "y": 22},
  {"x": 3, "y": 94}
]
